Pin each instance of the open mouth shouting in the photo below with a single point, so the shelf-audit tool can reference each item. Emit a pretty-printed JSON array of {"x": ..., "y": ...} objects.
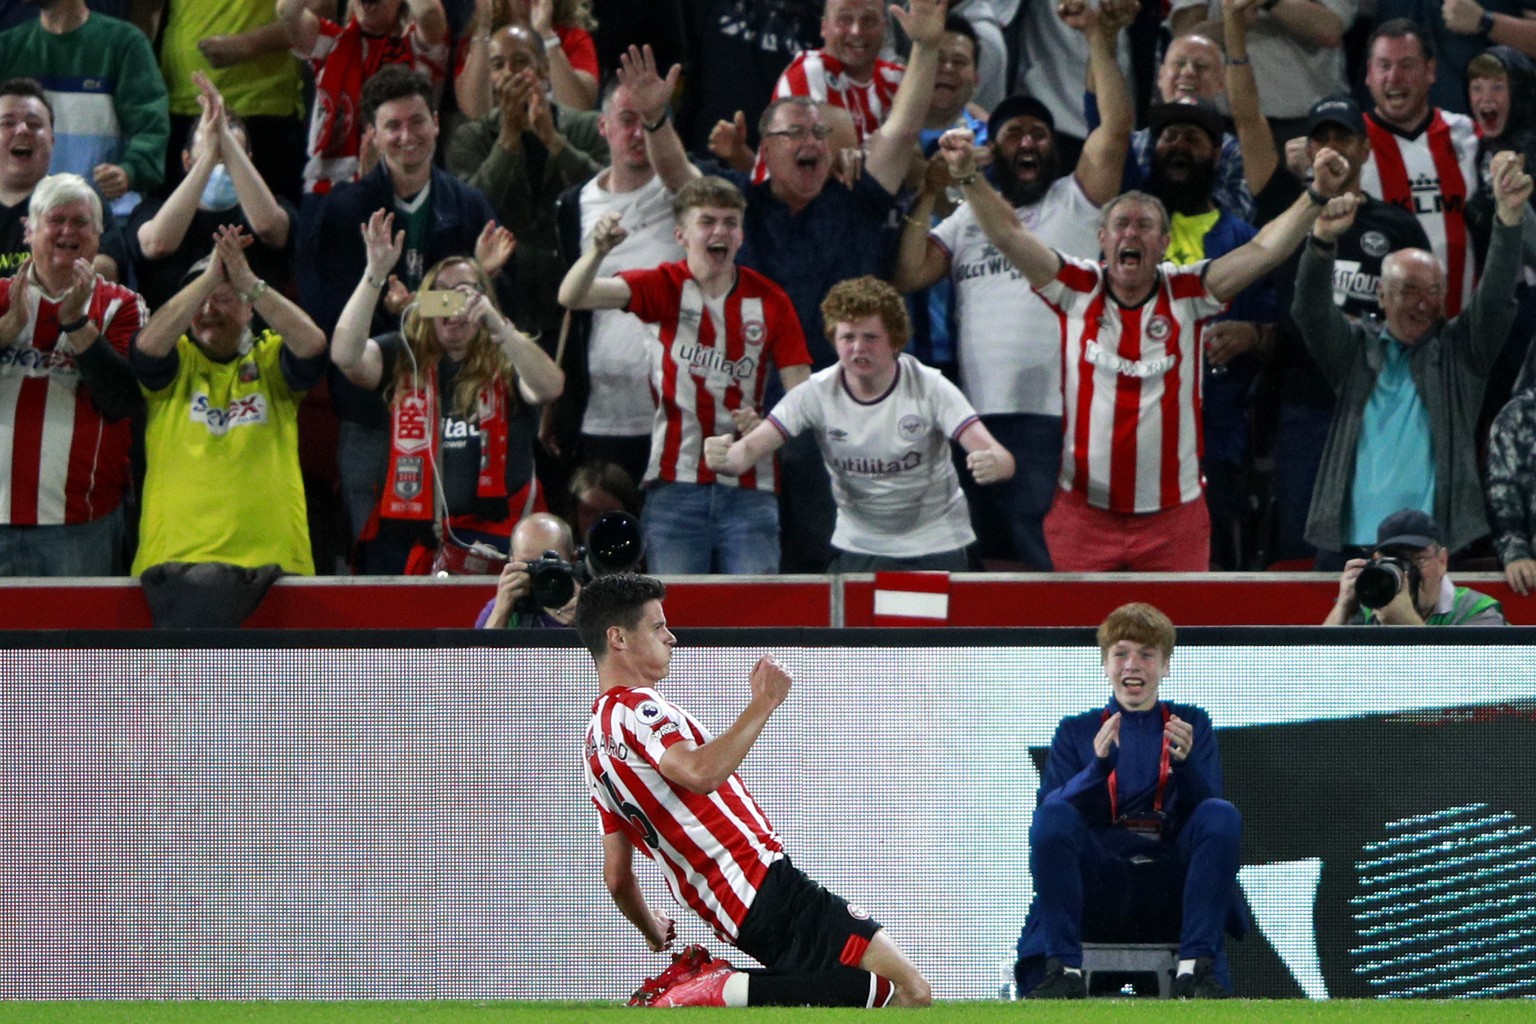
[{"x": 1490, "y": 118}]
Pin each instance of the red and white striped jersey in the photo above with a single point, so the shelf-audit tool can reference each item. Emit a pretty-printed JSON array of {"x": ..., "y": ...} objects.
[
  {"x": 61, "y": 463},
  {"x": 1430, "y": 175},
  {"x": 1131, "y": 439},
  {"x": 713, "y": 849},
  {"x": 822, "y": 77},
  {"x": 712, "y": 356}
]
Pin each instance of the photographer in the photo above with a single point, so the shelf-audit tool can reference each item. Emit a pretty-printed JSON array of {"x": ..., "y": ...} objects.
[
  {"x": 1410, "y": 552},
  {"x": 514, "y": 604}
]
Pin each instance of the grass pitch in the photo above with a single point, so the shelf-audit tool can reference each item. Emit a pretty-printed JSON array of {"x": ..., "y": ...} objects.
[{"x": 1096, "y": 1011}]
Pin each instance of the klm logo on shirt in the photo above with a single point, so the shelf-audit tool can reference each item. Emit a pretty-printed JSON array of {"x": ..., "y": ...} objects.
[
  {"x": 990, "y": 264},
  {"x": 1427, "y": 197},
  {"x": 879, "y": 467},
  {"x": 245, "y": 411},
  {"x": 1102, "y": 357}
]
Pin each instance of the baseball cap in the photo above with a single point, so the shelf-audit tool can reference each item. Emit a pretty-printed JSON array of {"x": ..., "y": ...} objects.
[
  {"x": 1409, "y": 528},
  {"x": 1019, "y": 105},
  {"x": 1200, "y": 113},
  {"x": 1340, "y": 110}
]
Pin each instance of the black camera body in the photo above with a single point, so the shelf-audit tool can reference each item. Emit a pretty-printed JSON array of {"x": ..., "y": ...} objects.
[
  {"x": 614, "y": 544},
  {"x": 552, "y": 583},
  {"x": 1382, "y": 578}
]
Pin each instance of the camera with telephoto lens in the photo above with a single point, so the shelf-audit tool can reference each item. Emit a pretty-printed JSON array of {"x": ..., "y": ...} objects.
[
  {"x": 1382, "y": 578},
  {"x": 614, "y": 544}
]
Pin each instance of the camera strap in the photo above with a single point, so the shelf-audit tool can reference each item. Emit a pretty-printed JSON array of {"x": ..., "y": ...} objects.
[{"x": 1164, "y": 770}]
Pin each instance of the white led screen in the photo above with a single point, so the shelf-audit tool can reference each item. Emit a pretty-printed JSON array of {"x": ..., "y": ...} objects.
[{"x": 324, "y": 822}]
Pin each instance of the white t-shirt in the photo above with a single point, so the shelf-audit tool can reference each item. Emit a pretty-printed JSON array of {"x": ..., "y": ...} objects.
[
  {"x": 1009, "y": 349},
  {"x": 892, "y": 476},
  {"x": 618, "y": 354}
]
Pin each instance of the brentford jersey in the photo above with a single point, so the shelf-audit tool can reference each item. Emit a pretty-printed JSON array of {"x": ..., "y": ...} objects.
[
  {"x": 61, "y": 462},
  {"x": 712, "y": 848},
  {"x": 1430, "y": 174},
  {"x": 892, "y": 475},
  {"x": 710, "y": 356},
  {"x": 1131, "y": 386},
  {"x": 822, "y": 77}
]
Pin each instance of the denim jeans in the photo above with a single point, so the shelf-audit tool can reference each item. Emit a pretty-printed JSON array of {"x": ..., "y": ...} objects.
[
  {"x": 80, "y": 549},
  {"x": 693, "y": 529}
]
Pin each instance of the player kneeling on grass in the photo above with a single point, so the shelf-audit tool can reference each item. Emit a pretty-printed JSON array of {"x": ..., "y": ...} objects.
[
  {"x": 663, "y": 783},
  {"x": 884, "y": 422}
]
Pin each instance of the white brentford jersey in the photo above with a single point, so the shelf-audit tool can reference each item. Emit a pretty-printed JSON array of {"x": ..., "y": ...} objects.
[
  {"x": 713, "y": 849},
  {"x": 1008, "y": 352},
  {"x": 1131, "y": 438},
  {"x": 619, "y": 346},
  {"x": 1431, "y": 175},
  {"x": 892, "y": 476}
]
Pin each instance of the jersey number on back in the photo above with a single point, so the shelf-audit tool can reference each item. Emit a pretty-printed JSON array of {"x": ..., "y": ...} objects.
[{"x": 630, "y": 811}]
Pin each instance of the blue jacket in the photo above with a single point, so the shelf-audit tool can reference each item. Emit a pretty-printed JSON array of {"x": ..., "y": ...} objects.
[{"x": 1074, "y": 774}]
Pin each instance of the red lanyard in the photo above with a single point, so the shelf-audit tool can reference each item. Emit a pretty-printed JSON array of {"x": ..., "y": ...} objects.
[{"x": 1164, "y": 769}]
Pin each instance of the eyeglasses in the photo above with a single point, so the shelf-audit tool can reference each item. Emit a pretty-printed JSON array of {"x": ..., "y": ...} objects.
[{"x": 798, "y": 132}]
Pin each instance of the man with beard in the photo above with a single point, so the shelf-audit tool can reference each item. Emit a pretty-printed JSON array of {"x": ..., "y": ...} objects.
[
  {"x": 1192, "y": 70},
  {"x": 1131, "y": 495},
  {"x": 1008, "y": 353},
  {"x": 522, "y": 154},
  {"x": 1188, "y": 135}
]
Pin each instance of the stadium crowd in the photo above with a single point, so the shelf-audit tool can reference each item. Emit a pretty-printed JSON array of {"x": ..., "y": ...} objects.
[{"x": 359, "y": 285}]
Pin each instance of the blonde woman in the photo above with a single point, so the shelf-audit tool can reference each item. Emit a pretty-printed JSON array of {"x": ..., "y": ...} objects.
[{"x": 463, "y": 391}]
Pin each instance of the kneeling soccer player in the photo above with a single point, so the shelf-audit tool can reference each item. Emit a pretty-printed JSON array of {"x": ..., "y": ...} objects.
[{"x": 663, "y": 783}]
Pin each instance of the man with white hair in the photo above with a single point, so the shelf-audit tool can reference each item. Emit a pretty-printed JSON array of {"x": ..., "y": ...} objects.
[
  {"x": 1409, "y": 386},
  {"x": 66, "y": 393}
]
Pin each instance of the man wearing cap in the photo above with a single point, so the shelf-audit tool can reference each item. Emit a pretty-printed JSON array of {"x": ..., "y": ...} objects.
[
  {"x": 1425, "y": 596},
  {"x": 1192, "y": 70},
  {"x": 1009, "y": 353},
  {"x": 1184, "y": 163},
  {"x": 1409, "y": 388},
  {"x": 221, "y": 436},
  {"x": 1306, "y": 399}
]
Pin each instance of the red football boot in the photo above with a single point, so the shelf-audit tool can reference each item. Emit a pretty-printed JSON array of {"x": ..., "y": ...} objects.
[{"x": 689, "y": 963}]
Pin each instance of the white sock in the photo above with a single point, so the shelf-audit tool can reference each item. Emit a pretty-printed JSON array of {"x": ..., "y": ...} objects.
[
  {"x": 1186, "y": 966},
  {"x": 735, "y": 991}
]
